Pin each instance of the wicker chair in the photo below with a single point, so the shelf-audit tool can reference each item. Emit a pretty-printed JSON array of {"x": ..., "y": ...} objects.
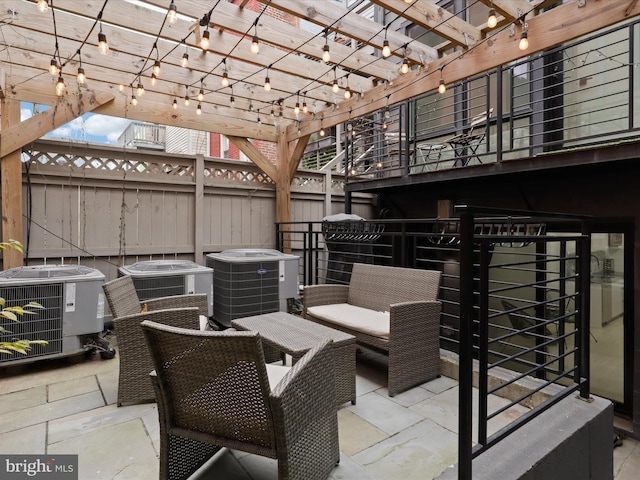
[
  {"x": 123, "y": 299},
  {"x": 135, "y": 361},
  {"x": 213, "y": 391}
]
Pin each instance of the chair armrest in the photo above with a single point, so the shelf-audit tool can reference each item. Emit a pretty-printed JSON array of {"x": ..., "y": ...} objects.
[
  {"x": 305, "y": 413},
  {"x": 325, "y": 295},
  {"x": 409, "y": 318},
  {"x": 198, "y": 300}
]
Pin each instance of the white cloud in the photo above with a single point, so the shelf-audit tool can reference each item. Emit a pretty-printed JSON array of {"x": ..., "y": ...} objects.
[
  {"x": 25, "y": 114},
  {"x": 105, "y": 126},
  {"x": 96, "y": 128}
]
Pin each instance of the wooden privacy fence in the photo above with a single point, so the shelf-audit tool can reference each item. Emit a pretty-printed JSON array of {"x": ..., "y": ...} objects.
[{"x": 107, "y": 206}]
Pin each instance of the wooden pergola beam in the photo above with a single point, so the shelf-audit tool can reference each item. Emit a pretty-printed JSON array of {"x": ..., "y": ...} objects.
[
  {"x": 11, "y": 188},
  {"x": 249, "y": 149},
  {"x": 20, "y": 134}
]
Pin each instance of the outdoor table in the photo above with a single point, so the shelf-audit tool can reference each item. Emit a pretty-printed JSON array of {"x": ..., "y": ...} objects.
[{"x": 294, "y": 336}]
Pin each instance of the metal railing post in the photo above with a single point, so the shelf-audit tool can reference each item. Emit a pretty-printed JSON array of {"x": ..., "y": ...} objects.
[{"x": 465, "y": 418}]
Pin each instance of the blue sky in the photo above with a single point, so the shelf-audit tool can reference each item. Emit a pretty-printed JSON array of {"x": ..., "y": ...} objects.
[{"x": 88, "y": 128}]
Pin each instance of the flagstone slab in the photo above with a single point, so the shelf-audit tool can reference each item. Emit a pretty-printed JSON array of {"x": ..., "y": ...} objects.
[
  {"x": 28, "y": 440},
  {"x": 72, "y": 387},
  {"x": 383, "y": 413}
]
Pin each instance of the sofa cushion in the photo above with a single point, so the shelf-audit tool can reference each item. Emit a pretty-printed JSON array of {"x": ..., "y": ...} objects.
[{"x": 364, "y": 320}]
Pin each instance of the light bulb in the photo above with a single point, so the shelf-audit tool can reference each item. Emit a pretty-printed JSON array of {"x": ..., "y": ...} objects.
[
  {"x": 296, "y": 109},
  {"x": 154, "y": 79},
  {"x": 134, "y": 100},
  {"x": 347, "y": 93},
  {"x": 492, "y": 21},
  {"x": 175, "y": 104},
  {"x": 305, "y": 109},
  {"x": 156, "y": 68},
  {"x": 442, "y": 87},
  {"x": 53, "y": 67},
  {"x": 199, "y": 109},
  {"x": 386, "y": 50},
  {"x": 322, "y": 132},
  {"x": 232, "y": 101},
  {"x": 204, "y": 43},
  {"x": 524, "y": 41},
  {"x": 103, "y": 46},
  {"x": 120, "y": 87},
  {"x": 335, "y": 88},
  {"x": 326, "y": 56},
  {"x": 60, "y": 87},
  {"x": 225, "y": 79},
  {"x": 172, "y": 13},
  {"x": 82, "y": 78},
  {"x": 140, "y": 89},
  {"x": 255, "y": 45},
  {"x": 201, "y": 95},
  {"x": 186, "y": 100},
  {"x": 43, "y": 6},
  {"x": 185, "y": 60},
  {"x": 267, "y": 84},
  {"x": 384, "y": 125},
  {"x": 405, "y": 66}
]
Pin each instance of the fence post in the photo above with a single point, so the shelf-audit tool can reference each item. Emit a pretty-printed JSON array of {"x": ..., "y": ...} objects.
[
  {"x": 584, "y": 316},
  {"x": 198, "y": 209},
  {"x": 465, "y": 375}
]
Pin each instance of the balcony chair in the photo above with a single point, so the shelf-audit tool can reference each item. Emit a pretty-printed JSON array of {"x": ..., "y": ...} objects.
[
  {"x": 213, "y": 390},
  {"x": 465, "y": 145}
]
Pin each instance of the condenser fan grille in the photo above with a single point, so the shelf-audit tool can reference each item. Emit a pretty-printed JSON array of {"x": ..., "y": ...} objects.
[
  {"x": 159, "y": 286},
  {"x": 44, "y": 324}
]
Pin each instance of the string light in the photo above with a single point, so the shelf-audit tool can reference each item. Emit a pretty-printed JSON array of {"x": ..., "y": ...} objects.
[
  {"x": 404, "y": 69},
  {"x": 154, "y": 79},
  {"x": 347, "y": 90},
  {"x": 185, "y": 57},
  {"x": 199, "y": 109},
  {"x": 204, "y": 43},
  {"x": 335, "y": 88},
  {"x": 156, "y": 68},
  {"x": 134, "y": 100},
  {"x": 386, "y": 50},
  {"x": 326, "y": 55},
  {"x": 255, "y": 42},
  {"x": 172, "y": 13},
  {"x": 441, "y": 86},
  {"x": 305, "y": 109},
  {"x": 201, "y": 92},
  {"x": 175, "y": 104},
  {"x": 81, "y": 77},
  {"x": 492, "y": 21},
  {"x": 140, "y": 88},
  {"x": 524, "y": 40},
  {"x": 225, "y": 75},
  {"x": 53, "y": 67},
  {"x": 272, "y": 113},
  {"x": 186, "y": 96},
  {"x": 267, "y": 82},
  {"x": 60, "y": 87},
  {"x": 296, "y": 109},
  {"x": 121, "y": 87},
  {"x": 232, "y": 100},
  {"x": 103, "y": 46},
  {"x": 43, "y": 6}
]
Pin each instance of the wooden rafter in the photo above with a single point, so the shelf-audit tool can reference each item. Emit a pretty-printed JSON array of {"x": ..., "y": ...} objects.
[{"x": 352, "y": 25}]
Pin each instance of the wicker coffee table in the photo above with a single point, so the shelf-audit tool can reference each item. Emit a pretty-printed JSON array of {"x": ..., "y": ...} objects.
[{"x": 294, "y": 336}]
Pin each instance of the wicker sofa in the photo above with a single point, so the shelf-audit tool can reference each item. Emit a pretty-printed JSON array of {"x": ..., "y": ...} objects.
[{"x": 391, "y": 309}]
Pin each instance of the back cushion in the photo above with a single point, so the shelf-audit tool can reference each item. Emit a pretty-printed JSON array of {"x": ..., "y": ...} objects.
[{"x": 376, "y": 287}]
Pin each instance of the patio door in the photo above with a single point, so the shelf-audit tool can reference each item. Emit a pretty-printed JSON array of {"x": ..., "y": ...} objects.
[{"x": 611, "y": 324}]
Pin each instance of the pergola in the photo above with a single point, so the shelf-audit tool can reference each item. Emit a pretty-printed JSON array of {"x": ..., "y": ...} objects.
[{"x": 292, "y": 36}]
